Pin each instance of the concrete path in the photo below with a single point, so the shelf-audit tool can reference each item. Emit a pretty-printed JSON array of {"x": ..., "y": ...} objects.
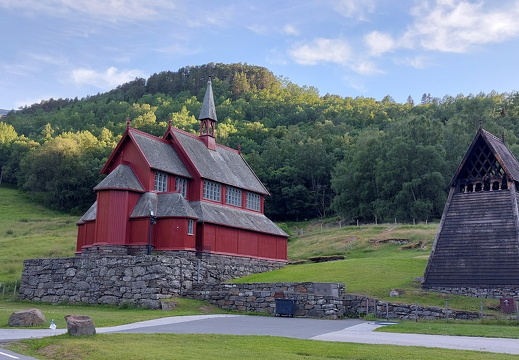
[{"x": 348, "y": 330}]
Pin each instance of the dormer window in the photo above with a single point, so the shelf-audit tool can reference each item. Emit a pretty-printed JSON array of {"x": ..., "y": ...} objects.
[
  {"x": 181, "y": 186},
  {"x": 253, "y": 201},
  {"x": 161, "y": 182},
  {"x": 233, "y": 196},
  {"x": 212, "y": 191}
]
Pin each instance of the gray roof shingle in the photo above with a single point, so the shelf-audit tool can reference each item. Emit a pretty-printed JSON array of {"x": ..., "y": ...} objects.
[
  {"x": 163, "y": 205},
  {"x": 160, "y": 154},
  {"x": 122, "y": 177},
  {"x": 235, "y": 217},
  {"x": 208, "y": 109},
  {"x": 223, "y": 165},
  {"x": 509, "y": 162},
  {"x": 90, "y": 214}
]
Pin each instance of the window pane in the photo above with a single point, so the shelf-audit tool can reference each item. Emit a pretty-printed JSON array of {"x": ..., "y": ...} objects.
[
  {"x": 253, "y": 201},
  {"x": 181, "y": 186},
  {"x": 233, "y": 196},
  {"x": 212, "y": 191},
  {"x": 161, "y": 181},
  {"x": 190, "y": 225}
]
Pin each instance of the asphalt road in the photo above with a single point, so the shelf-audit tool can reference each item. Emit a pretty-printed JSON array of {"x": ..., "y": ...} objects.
[{"x": 349, "y": 330}]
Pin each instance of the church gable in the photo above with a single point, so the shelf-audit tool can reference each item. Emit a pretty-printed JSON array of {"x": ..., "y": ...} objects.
[
  {"x": 476, "y": 249},
  {"x": 480, "y": 170}
]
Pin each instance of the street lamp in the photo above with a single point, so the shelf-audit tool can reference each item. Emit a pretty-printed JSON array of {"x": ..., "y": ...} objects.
[{"x": 153, "y": 221}]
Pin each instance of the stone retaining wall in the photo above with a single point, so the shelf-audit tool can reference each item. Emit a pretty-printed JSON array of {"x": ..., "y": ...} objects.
[
  {"x": 312, "y": 301},
  {"x": 358, "y": 306},
  {"x": 141, "y": 280},
  {"x": 310, "y": 298},
  {"x": 490, "y": 293}
]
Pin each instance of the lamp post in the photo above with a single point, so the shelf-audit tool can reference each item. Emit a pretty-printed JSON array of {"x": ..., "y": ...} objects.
[{"x": 153, "y": 221}]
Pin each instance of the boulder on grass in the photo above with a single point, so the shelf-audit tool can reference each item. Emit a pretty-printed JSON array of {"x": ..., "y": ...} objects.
[
  {"x": 80, "y": 325},
  {"x": 27, "y": 318}
]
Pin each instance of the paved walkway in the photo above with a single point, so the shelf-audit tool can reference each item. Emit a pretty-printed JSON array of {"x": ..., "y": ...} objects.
[{"x": 348, "y": 330}]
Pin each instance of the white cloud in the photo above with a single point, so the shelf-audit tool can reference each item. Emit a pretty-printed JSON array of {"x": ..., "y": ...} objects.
[
  {"x": 379, "y": 43},
  {"x": 104, "y": 80},
  {"x": 290, "y": 30},
  {"x": 357, "y": 9},
  {"x": 457, "y": 25},
  {"x": 366, "y": 67},
  {"x": 418, "y": 62},
  {"x": 322, "y": 50}
]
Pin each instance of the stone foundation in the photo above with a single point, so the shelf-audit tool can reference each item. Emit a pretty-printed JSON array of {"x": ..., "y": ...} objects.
[
  {"x": 141, "y": 280},
  {"x": 488, "y": 293}
]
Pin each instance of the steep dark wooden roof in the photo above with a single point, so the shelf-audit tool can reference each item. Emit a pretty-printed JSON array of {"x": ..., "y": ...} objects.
[
  {"x": 477, "y": 243},
  {"x": 480, "y": 159}
]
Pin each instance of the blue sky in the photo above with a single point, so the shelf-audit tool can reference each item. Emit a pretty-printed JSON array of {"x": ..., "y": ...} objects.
[{"x": 370, "y": 48}]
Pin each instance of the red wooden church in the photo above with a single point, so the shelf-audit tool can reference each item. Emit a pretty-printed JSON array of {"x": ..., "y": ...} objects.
[{"x": 180, "y": 192}]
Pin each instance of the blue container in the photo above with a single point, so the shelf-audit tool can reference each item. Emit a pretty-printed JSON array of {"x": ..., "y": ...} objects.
[{"x": 285, "y": 307}]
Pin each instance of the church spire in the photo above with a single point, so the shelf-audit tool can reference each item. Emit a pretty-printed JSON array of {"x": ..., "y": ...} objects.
[
  {"x": 208, "y": 109},
  {"x": 208, "y": 118}
]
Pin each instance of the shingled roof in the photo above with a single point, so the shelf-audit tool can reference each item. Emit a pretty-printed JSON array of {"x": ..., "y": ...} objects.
[
  {"x": 159, "y": 153},
  {"x": 163, "y": 205},
  {"x": 238, "y": 218},
  {"x": 224, "y": 165},
  {"x": 208, "y": 109},
  {"x": 477, "y": 243},
  {"x": 122, "y": 177}
]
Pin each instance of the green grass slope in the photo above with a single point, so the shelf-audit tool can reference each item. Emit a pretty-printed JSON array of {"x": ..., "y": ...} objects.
[
  {"x": 29, "y": 230},
  {"x": 378, "y": 258}
]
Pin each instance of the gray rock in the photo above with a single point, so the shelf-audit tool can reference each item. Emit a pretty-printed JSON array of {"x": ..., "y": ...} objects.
[
  {"x": 26, "y": 318},
  {"x": 80, "y": 325}
]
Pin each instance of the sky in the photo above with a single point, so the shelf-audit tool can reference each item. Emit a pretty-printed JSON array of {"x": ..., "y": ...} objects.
[{"x": 351, "y": 48}]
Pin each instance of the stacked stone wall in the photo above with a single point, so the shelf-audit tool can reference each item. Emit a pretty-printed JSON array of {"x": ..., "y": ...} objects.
[
  {"x": 261, "y": 297},
  {"x": 141, "y": 280},
  {"x": 359, "y": 306},
  {"x": 483, "y": 292}
]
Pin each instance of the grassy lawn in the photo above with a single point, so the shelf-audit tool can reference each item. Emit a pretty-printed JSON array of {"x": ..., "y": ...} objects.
[
  {"x": 499, "y": 329},
  {"x": 378, "y": 258},
  {"x": 29, "y": 230},
  {"x": 171, "y": 346},
  {"x": 104, "y": 315}
]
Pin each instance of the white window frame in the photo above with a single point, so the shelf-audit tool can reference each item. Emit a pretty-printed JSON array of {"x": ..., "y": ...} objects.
[
  {"x": 212, "y": 191},
  {"x": 253, "y": 201},
  {"x": 190, "y": 227},
  {"x": 161, "y": 182},
  {"x": 233, "y": 196},
  {"x": 181, "y": 186}
]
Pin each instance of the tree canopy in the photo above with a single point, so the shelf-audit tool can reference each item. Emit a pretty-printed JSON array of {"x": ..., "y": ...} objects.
[{"x": 357, "y": 158}]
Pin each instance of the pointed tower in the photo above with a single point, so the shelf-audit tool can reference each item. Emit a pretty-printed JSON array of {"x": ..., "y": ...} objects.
[
  {"x": 476, "y": 248},
  {"x": 208, "y": 118}
]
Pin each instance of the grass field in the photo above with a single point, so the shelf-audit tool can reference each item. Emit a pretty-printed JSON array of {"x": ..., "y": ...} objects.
[
  {"x": 167, "y": 346},
  {"x": 378, "y": 258},
  {"x": 29, "y": 230}
]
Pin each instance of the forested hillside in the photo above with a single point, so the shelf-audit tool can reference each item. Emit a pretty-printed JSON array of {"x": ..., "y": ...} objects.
[{"x": 358, "y": 158}]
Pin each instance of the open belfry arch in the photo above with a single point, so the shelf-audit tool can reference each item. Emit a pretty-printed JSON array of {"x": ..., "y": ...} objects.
[{"x": 476, "y": 249}]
